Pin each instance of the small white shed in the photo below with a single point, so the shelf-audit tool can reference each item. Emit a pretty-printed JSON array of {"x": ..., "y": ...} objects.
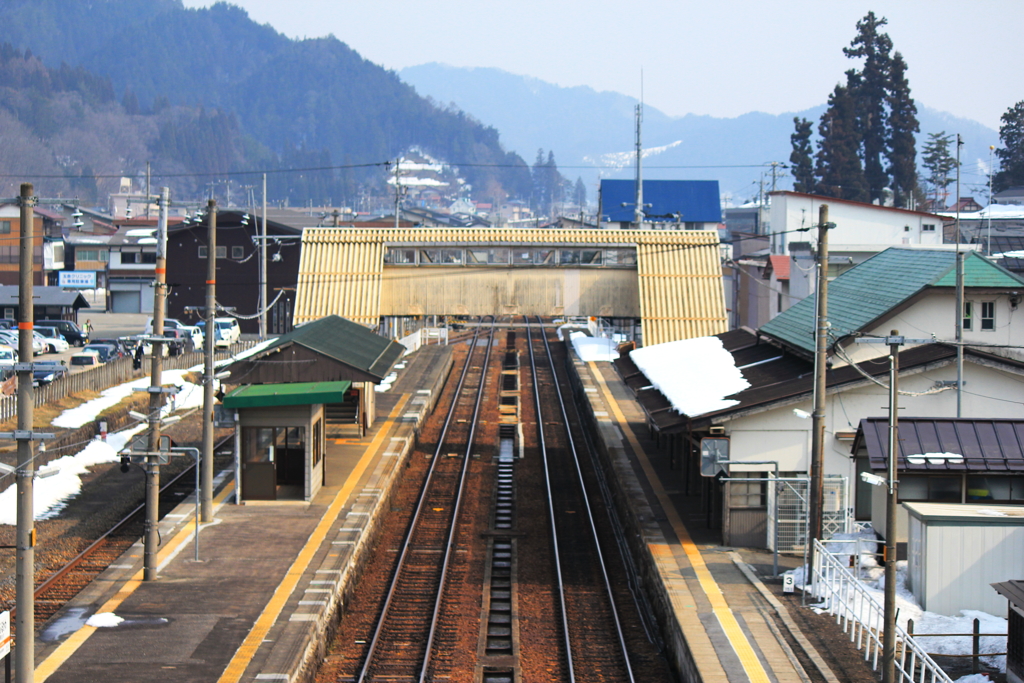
[{"x": 955, "y": 551}]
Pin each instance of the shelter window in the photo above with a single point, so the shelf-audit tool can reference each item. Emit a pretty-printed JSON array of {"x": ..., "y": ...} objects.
[
  {"x": 318, "y": 454},
  {"x": 544, "y": 257},
  {"x": 988, "y": 315},
  {"x": 747, "y": 494},
  {"x": 522, "y": 257},
  {"x": 400, "y": 256},
  {"x": 568, "y": 257},
  {"x": 491, "y": 256},
  {"x": 620, "y": 257},
  {"x": 995, "y": 489},
  {"x": 591, "y": 257}
]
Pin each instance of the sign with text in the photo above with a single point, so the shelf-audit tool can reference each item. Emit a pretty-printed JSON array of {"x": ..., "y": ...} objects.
[
  {"x": 79, "y": 279},
  {"x": 5, "y": 634}
]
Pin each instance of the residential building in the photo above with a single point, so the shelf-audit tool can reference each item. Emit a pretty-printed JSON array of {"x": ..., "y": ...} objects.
[{"x": 47, "y": 252}]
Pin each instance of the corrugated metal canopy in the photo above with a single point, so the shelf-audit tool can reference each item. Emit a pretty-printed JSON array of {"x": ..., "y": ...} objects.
[
  {"x": 679, "y": 272},
  {"x": 988, "y": 445},
  {"x": 295, "y": 394}
]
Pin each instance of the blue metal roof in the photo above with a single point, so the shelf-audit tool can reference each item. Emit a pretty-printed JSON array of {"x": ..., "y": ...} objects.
[{"x": 691, "y": 200}]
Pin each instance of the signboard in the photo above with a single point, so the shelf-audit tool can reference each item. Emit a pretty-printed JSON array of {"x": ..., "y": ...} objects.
[
  {"x": 714, "y": 450},
  {"x": 5, "y": 634},
  {"x": 79, "y": 279},
  {"x": 140, "y": 444}
]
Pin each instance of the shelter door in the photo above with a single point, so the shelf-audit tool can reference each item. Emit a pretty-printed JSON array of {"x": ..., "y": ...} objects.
[{"x": 259, "y": 472}]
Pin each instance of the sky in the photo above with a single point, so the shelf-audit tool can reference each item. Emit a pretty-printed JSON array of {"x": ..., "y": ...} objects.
[{"x": 722, "y": 58}]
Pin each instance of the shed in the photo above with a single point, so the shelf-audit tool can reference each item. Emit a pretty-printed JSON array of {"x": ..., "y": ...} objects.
[
  {"x": 49, "y": 303},
  {"x": 282, "y": 438},
  {"x": 955, "y": 551},
  {"x": 1013, "y": 591},
  {"x": 331, "y": 349}
]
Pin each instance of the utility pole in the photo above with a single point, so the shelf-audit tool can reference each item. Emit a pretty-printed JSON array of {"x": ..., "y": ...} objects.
[
  {"x": 820, "y": 354},
  {"x": 152, "y": 537},
  {"x": 889, "y": 600},
  {"x": 988, "y": 209},
  {"x": 638, "y": 209},
  {"x": 959, "y": 293},
  {"x": 263, "y": 265},
  {"x": 211, "y": 330},
  {"x": 26, "y": 533}
]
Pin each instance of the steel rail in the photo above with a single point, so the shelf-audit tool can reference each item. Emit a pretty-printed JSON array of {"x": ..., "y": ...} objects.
[
  {"x": 406, "y": 543},
  {"x": 589, "y": 510},
  {"x": 551, "y": 505}
]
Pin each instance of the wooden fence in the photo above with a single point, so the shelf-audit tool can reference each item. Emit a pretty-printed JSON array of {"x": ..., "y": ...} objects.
[{"x": 103, "y": 377}]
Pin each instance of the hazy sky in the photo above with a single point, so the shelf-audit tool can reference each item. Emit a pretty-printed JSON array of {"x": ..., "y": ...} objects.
[{"x": 719, "y": 57}]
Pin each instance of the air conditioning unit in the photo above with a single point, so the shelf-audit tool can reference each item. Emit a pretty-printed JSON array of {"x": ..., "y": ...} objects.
[{"x": 716, "y": 429}]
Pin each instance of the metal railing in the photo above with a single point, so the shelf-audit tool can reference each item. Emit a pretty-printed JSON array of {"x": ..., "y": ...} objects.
[{"x": 858, "y": 613}]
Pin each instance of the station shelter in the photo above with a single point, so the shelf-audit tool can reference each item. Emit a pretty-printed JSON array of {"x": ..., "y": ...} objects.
[{"x": 295, "y": 392}]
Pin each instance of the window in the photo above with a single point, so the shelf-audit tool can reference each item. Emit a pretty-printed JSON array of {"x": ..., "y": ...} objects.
[
  {"x": 968, "y": 311},
  {"x": 87, "y": 255},
  {"x": 237, "y": 253},
  {"x": 591, "y": 257},
  {"x": 400, "y": 257},
  {"x": 222, "y": 252},
  {"x": 203, "y": 252},
  {"x": 490, "y": 256},
  {"x": 934, "y": 488},
  {"x": 988, "y": 489},
  {"x": 747, "y": 494},
  {"x": 5, "y": 227},
  {"x": 568, "y": 257},
  {"x": 440, "y": 257},
  {"x": 928, "y": 227},
  {"x": 988, "y": 315}
]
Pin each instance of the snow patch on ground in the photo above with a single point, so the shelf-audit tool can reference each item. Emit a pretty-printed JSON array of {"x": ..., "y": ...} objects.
[
  {"x": 74, "y": 418},
  {"x": 104, "y": 620},
  {"x": 593, "y": 348},
  {"x": 695, "y": 375}
]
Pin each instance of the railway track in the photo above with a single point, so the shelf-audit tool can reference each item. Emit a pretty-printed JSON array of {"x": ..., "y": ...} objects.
[{"x": 489, "y": 568}]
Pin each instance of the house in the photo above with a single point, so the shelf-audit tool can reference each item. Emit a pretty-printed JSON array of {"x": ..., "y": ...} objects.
[
  {"x": 763, "y": 412},
  {"x": 1012, "y": 195},
  {"x": 47, "y": 251},
  {"x": 238, "y": 264},
  {"x": 668, "y": 204}
]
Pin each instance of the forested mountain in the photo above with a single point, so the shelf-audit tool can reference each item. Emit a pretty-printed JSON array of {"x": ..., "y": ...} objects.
[
  {"x": 592, "y": 132},
  {"x": 279, "y": 102}
]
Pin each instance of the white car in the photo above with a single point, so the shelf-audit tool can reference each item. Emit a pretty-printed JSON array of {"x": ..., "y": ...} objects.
[
  {"x": 226, "y": 331},
  {"x": 54, "y": 340},
  {"x": 11, "y": 337},
  {"x": 193, "y": 332}
]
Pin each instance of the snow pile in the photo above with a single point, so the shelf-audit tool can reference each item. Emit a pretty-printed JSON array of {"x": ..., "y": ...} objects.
[
  {"x": 104, "y": 620},
  {"x": 50, "y": 495},
  {"x": 872, "y": 577},
  {"x": 593, "y": 348},
  {"x": 191, "y": 395},
  {"x": 695, "y": 375}
]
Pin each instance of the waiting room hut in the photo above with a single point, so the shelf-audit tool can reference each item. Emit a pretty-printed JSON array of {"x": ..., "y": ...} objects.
[{"x": 300, "y": 389}]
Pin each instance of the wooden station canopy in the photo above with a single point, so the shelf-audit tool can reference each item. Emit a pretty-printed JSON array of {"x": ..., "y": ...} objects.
[{"x": 670, "y": 279}]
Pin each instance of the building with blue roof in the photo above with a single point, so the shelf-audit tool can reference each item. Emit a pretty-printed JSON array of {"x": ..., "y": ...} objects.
[{"x": 672, "y": 204}]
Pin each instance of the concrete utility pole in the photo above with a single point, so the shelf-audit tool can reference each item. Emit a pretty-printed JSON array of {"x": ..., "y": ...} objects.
[
  {"x": 638, "y": 209},
  {"x": 889, "y": 600},
  {"x": 26, "y": 533},
  {"x": 820, "y": 356},
  {"x": 959, "y": 293},
  {"x": 210, "y": 315},
  {"x": 152, "y": 537},
  {"x": 263, "y": 265}
]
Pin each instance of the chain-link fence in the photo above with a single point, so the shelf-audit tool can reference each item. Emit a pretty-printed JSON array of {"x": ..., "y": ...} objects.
[{"x": 788, "y": 512}]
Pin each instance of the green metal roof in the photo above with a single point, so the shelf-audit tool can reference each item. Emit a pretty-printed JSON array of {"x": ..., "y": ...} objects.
[
  {"x": 871, "y": 289},
  {"x": 346, "y": 342},
  {"x": 294, "y": 394}
]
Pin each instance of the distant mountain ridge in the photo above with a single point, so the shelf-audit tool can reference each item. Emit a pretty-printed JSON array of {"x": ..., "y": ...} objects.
[{"x": 584, "y": 127}]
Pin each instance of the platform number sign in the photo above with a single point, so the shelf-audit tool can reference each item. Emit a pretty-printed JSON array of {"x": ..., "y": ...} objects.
[
  {"x": 714, "y": 451},
  {"x": 5, "y": 634}
]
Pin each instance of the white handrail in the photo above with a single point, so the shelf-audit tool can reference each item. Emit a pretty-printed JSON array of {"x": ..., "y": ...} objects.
[{"x": 861, "y": 615}]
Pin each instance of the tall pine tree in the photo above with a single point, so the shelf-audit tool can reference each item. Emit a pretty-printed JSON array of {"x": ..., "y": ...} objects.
[
  {"x": 1011, "y": 154},
  {"x": 801, "y": 161},
  {"x": 900, "y": 150},
  {"x": 838, "y": 166},
  {"x": 870, "y": 90},
  {"x": 939, "y": 163}
]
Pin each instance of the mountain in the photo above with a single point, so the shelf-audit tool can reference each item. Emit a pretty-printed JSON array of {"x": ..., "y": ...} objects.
[
  {"x": 592, "y": 133},
  {"x": 306, "y": 103}
]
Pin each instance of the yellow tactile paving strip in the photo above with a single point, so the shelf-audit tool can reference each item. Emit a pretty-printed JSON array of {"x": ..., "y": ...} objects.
[
  {"x": 58, "y": 657},
  {"x": 700, "y": 645},
  {"x": 236, "y": 667}
]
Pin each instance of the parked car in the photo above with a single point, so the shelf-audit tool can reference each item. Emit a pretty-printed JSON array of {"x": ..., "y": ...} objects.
[
  {"x": 125, "y": 346},
  {"x": 48, "y": 371},
  {"x": 68, "y": 329},
  {"x": 8, "y": 356},
  {"x": 8, "y": 324},
  {"x": 54, "y": 340},
  {"x": 89, "y": 358},
  {"x": 11, "y": 337},
  {"x": 107, "y": 352},
  {"x": 226, "y": 331},
  {"x": 192, "y": 332}
]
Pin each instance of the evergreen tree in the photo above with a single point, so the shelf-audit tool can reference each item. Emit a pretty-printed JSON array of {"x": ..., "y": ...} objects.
[
  {"x": 800, "y": 159},
  {"x": 1011, "y": 154},
  {"x": 870, "y": 89},
  {"x": 939, "y": 163},
  {"x": 900, "y": 150},
  {"x": 579, "y": 192},
  {"x": 838, "y": 166},
  {"x": 540, "y": 188}
]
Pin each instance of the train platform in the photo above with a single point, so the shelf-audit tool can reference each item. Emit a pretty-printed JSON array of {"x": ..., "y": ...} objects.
[
  {"x": 724, "y": 623},
  {"x": 269, "y": 580}
]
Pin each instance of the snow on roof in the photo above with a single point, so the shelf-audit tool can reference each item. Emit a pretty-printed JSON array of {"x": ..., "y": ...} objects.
[
  {"x": 695, "y": 375},
  {"x": 140, "y": 232},
  {"x": 147, "y": 240},
  {"x": 995, "y": 211},
  {"x": 593, "y": 348}
]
